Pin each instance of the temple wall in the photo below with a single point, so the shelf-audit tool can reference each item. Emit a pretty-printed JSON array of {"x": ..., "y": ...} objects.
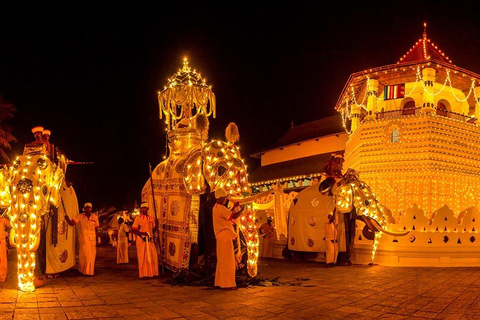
[{"x": 435, "y": 162}]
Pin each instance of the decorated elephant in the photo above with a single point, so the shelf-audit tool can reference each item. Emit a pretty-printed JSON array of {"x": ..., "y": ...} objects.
[
  {"x": 33, "y": 188},
  {"x": 347, "y": 199},
  {"x": 194, "y": 168},
  {"x": 179, "y": 188}
]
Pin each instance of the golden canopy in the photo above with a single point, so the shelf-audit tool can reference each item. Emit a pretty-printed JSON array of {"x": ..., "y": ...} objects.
[{"x": 186, "y": 95}]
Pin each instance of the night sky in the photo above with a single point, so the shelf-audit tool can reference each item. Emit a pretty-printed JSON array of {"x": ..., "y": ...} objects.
[{"x": 91, "y": 73}]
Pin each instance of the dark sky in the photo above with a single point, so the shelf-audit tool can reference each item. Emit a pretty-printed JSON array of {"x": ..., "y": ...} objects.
[{"x": 90, "y": 73}]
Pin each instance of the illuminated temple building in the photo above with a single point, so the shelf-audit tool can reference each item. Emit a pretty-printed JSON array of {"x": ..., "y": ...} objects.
[
  {"x": 414, "y": 135},
  {"x": 412, "y": 132}
]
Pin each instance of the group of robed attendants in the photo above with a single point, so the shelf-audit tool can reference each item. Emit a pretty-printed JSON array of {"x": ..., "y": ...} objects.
[
  {"x": 88, "y": 223},
  {"x": 224, "y": 215},
  {"x": 143, "y": 227}
]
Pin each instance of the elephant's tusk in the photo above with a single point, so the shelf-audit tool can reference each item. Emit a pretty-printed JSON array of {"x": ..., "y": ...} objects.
[
  {"x": 36, "y": 243},
  {"x": 369, "y": 223},
  {"x": 378, "y": 227},
  {"x": 252, "y": 198},
  {"x": 13, "y": 237}
]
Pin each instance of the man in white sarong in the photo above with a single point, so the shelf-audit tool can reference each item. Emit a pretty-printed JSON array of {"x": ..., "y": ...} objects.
[
  {"x": 331, "y": 241},
  {"x": 4, "y": 222},
  {"x": 143, "y": 227},
  {"x": 122, "y": 242},
  {"x": 225, "y": 234},
  {"x": 88, "y": 223}
]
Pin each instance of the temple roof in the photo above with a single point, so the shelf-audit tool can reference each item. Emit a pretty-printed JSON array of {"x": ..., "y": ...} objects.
[
  {"x": 307, "y": 131},
  {"x": 424, "y": 53},
  {"x": 424, "y": 49},
  {"x": 302, "y": 167}
]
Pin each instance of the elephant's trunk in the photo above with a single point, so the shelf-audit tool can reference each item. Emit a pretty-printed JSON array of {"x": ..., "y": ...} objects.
[{"x": 375, "y": 226}]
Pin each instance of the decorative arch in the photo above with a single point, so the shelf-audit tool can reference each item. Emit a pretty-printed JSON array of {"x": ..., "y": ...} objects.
[
  {"x": 443, "y": 107},
  {"x": 408, "y": 106},
  {"x": 381, "y": 115}
]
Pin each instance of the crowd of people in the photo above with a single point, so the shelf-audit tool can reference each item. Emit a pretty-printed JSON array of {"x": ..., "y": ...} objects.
[{"x": 143, "y": 228}]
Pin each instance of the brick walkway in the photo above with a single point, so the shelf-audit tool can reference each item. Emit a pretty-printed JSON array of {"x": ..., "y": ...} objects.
[{"x": 307, "y": 290}]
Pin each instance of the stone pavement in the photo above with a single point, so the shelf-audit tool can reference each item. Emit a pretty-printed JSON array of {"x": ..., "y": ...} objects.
[{"x": 307, "y": 290}]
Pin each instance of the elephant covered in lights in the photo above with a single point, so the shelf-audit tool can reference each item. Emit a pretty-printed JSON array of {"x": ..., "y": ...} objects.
[
  {"x": 194, "y": 169},
  {"x": 33, "y": 183},
  {"x": 347, "y": 199}
]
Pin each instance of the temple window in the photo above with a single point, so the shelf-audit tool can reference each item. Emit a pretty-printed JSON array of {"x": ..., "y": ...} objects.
[
  {"x": 381, "y": 115},
  {"x": 409, "y": 108},
  {"x": 442, "y": 109}
]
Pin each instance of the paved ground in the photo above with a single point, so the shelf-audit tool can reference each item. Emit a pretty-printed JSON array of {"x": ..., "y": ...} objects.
[{"x": 306, "y": 290}]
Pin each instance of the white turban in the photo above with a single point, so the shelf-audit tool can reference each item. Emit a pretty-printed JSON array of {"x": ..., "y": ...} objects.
[{"x": 220, "y": 193}]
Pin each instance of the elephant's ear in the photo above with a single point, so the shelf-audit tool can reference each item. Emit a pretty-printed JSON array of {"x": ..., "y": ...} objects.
[
  {"x": 192, "y": 172},
  {"x": 326, "y": 185},
  {"x": 56, "y": 184},
  {"x": 224, "y": 167}
]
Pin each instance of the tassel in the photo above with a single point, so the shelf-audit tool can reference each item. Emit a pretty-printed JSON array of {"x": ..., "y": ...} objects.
[
  {"x": 201, "y": 124},
  {"x": 231, "y": 133}
]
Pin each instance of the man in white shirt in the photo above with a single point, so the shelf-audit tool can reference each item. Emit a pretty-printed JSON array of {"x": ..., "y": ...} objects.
[{"x": 88, "y": 223}]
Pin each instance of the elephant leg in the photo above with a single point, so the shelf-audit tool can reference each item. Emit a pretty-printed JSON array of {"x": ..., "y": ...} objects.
[
  {"x": 344, "y": 256},
  {"x": 26, "y": 270}
]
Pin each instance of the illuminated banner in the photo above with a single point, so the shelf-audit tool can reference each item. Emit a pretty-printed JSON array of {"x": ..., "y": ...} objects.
[{"x": 394, "y": 92}]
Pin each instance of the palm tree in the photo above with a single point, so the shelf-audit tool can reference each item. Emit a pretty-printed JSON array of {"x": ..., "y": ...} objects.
[{"x": 6, "y": 138}]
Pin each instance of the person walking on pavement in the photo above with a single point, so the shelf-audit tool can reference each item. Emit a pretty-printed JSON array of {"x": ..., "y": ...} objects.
[{"x": 89, "y": 224}]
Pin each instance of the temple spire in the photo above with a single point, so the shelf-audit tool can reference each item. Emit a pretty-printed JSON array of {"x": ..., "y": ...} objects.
[{"x": 424, "y": 49}]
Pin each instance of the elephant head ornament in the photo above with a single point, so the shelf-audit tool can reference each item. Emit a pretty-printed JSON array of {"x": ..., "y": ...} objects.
[
  {"x": 354, "y": 195},
  {"x": 219, "y": 164}
]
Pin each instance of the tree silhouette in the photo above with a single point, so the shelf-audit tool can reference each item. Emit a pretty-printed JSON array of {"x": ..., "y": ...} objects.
[{"x": 6, "y": 138}]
